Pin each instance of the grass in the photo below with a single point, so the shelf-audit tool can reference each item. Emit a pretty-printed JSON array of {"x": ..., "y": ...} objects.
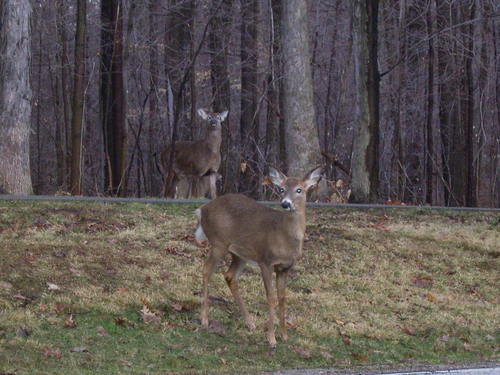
[{"x": 374, "y": 288}]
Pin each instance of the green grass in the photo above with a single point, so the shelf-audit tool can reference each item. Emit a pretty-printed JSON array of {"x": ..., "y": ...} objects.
[{"x": 374, "y": 288}]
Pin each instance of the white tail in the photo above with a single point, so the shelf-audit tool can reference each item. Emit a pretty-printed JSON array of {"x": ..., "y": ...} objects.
[
  {"x": 252, "y": 232},
  {"x": 197, "y": 159}
]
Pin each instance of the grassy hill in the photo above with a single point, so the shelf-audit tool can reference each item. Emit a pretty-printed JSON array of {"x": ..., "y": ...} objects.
[{"x": 114, "y": 289}]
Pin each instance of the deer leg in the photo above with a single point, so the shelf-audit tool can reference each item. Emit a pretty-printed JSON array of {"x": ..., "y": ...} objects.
[
  {"x": 267, "y": 276},
  {"x": 213, "y": 186},
  {"x": 231, "y": 277},
  {"x": 281, "y": 277},
  {"x": 208, "y": 270}
]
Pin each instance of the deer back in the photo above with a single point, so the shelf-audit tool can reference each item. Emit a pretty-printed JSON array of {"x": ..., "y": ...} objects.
[{"x": 253, "y": 231}]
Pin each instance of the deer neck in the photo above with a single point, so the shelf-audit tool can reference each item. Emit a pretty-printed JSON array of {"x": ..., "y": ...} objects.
[
  {"x": 297, "y": 221},
  {"x": 214, "y": 140}
]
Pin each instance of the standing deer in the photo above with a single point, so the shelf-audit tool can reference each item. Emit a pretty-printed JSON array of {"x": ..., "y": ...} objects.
[
  {"x": 198, "y": 158},
  {"x": 254, "y": 233}
]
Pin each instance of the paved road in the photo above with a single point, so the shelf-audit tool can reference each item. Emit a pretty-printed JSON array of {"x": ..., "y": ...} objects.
[
  {"x": 200, "y": 201},
  {"x": 470, "y": 371}
]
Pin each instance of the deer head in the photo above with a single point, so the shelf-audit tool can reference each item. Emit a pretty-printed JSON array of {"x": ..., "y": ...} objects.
[
  {"x": 214, "y": 119},
  {"x": 294, "y": 190}
]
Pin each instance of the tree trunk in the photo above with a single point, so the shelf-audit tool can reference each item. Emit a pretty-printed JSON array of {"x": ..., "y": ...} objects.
[
  {"x": 15, "y": 96},
  {"x": 366, "y": 139},
  {"x": 112, "y": 95},
  {"x": 434, "y": 169},
  {"x": 272, "y": 149},
  {"x": 78, "y": 99},
  {"x": 249, "y": 124},
  {"x": 221, "y": 90},
  {"x": 302, "y": 144},
  {"x": 154, "y": 115}
]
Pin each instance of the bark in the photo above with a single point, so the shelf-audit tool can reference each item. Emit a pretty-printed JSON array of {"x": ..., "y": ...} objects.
[
  {"x": 177, "y": 50},
  {"x": 302, "y": 144},
  {"x": 434, "y": 169},
  {"x": 64, "y": 73},
  {"x": 112, "y": 94},
  {"x": 221, "y": 91},
  {"x": 249, "y": 125},
  {"x": 78, "y": 99},
  {"x": 15, "y": 96},
  {"x": 364, "y": 163},
  {"x": 154, "y": 85}
]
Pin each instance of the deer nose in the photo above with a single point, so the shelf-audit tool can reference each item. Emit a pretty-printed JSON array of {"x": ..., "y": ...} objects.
[{"x": 286, "y": 205}]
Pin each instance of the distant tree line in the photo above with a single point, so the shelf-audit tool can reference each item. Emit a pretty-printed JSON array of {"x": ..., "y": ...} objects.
[{"x": 399, "y": 99}]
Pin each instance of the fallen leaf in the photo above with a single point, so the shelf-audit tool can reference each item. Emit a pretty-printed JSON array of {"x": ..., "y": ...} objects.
[
  {"x": 53, "y": 286},
  {"x": 445, "y": 338},
  {"x": 122, "y": 321},
  {"x": 101, "y": 331},
  {"x": 243, "y": 166},
  {"x": 22, "y": 332},
  {"x": 326, "y": 355},
  {"x": 467, "y": 347},
  {"x": 224, "y": 362},
  {"x": 6, "y": 285},
  {"x": 359, "y": 356},
  {"x": 409, "y": 331},
  {"x": 266, "y": 181},
  {"x": 431, "y": 297},
  {"x": 292, "y": 324},
  {"x": 177, "y": 306},
  {"x": 339, "y": 322},
  {"x": 53, "y": 353},
  {"x": 79, "y": 349},
  {"x": 304, "y": 352},
  {"x": 75, "y": 272},
  {"x": 165, "y": 275},
  {"x": 148, "y": 316},
  {"x": 380, "y": 226},
  {"x": 422, "y": 282},
  {"x": 70, "y": 322},
  {"x": 19, "y": 297},
  {"x": 346, "y": 341}
]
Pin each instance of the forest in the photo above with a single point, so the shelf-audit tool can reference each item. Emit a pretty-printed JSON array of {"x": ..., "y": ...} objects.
[{"x": 400, "y": 100}]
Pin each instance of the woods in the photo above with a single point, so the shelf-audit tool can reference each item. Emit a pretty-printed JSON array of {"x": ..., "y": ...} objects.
[{"x": 400, "y": 100}]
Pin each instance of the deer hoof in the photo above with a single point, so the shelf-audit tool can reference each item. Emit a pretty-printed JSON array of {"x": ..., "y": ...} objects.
[
  {"x": 204, "y": 322},
  {"x": 272, "y": 341},
  {"x": 200, "y": 244},
  {"x": 250, "y": 324}
]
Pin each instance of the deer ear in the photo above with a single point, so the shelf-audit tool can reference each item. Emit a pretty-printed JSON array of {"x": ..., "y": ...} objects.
[
  {"x": 223, "y": 115},
  {"x": 313, "y": 177},
  {"x": 202, "y": 113},
  {"x": 277, "y": 177}
]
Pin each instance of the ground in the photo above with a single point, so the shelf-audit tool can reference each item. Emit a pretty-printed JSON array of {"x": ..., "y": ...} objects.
[{"x": 107, "y": 288}]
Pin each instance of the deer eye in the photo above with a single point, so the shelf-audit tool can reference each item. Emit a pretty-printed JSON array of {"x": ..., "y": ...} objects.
[
  {"x": 299, "y": 190},
  {"x": 281, "y": 190}
]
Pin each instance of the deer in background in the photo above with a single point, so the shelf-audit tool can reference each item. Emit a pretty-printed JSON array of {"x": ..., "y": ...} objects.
[
  {"x": 200, "y": 159},
  {"x": 254, "y": 233}
]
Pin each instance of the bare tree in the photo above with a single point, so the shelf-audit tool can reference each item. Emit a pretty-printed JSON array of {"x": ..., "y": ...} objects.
[
  {"x": 113, "y": 95},
  {"x": 78, "y": 99},
  {"x": 301, "y": 139},
  {"x": 366, "y": 139},
  {"x": 15, "y": 96}
]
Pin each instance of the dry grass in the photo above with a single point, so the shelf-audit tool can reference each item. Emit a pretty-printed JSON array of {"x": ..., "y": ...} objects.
[{"x": 374, "y": 288}]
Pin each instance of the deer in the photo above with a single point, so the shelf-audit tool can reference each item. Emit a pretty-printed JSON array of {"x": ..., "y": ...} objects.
[
  {"x": 199, "y": 158},
  {"x": 257, "y": 234}
]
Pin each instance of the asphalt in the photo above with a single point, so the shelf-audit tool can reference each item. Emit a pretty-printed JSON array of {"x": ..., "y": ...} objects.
[
  {"x": 494, "y": 370},
  {"x": 8, "y": 197}
]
